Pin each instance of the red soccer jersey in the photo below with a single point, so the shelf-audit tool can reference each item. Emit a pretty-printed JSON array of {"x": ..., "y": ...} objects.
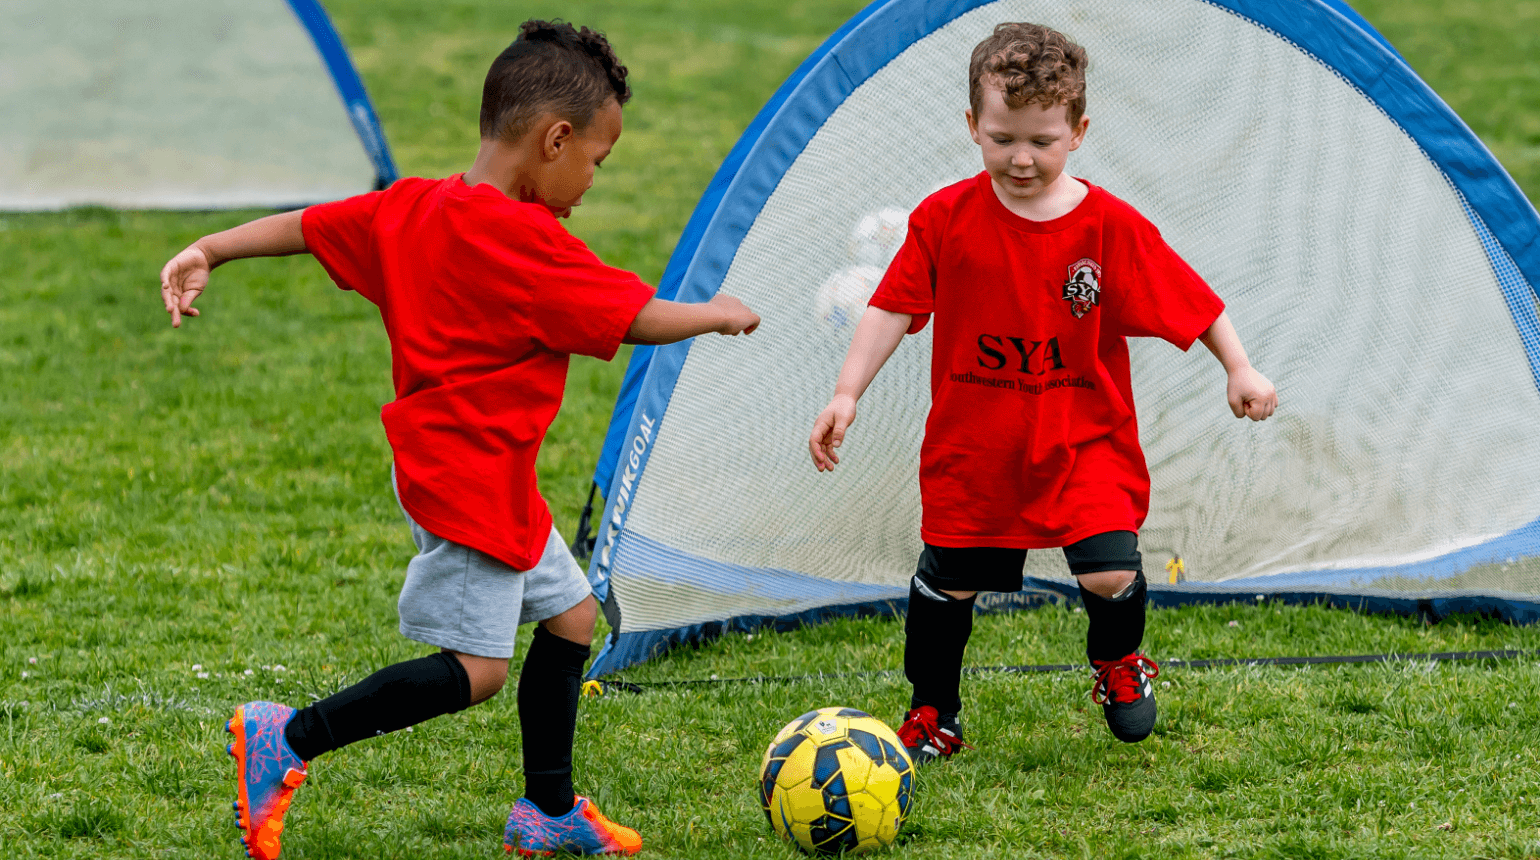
[
  {"x": 1031, "y": 440},
  {"x": 484, "y": 299}
]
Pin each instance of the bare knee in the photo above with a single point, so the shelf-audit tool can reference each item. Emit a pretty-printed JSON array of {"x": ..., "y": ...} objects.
[
  {"x": 1107, "y": 584},
  {"x": 577, "y": 623},
  {"x": 487, "y": 675}
]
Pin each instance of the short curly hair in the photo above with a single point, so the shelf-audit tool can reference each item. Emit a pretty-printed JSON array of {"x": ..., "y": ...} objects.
[
  {"x": 1032, "y": 64},
  {"x": 551, "y": 66}
]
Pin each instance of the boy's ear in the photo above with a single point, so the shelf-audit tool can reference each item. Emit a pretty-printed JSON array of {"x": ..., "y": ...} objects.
[
  {"x": 973, "y": 127},
  {"x": 557, "y": 135},
  {"x": 1079, "y": 135}
]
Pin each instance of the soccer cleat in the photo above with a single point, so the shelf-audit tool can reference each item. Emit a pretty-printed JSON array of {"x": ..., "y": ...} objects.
[
  {"x": 583, "y": 830},
  {"x": 1123, "y": 689},
  {"x": 267, "y": 774},
  {"x": 929, "y": 735}
]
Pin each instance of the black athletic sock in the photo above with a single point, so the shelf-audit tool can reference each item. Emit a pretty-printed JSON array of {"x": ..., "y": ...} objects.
[
  {"x": 549, "y": 688},
  {"x": 1116, "y": 625},
  {"x": 393, "y": 698},
  {"x": 935, "y": 635}
]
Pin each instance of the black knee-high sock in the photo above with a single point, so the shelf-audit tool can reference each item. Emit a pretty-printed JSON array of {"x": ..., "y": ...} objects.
[
  {"x": 1116, "y": 625},
  {"x": 548, "y": 702},
  {"x": 935, "y": 636},
  {"x": 393, "y": 698}
]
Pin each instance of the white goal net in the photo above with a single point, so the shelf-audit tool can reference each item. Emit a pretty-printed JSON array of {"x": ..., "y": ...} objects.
[{"x": 180, "y": 104}]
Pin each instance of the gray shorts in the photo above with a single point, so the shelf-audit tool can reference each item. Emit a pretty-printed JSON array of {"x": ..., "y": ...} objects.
[{"x": 459, "y": 598}]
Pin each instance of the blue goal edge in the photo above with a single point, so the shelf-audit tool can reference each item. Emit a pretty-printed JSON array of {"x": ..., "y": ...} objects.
[
  {"x": 1329, "y": 31},
  {"x": 366, "y": 123}
]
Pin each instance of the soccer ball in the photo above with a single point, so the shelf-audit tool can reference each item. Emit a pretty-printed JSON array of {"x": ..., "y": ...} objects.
[{"x": 836, "y": 779}]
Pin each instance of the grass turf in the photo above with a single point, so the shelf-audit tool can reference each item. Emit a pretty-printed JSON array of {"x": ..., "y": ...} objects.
[{"x": 218, "y": 498}]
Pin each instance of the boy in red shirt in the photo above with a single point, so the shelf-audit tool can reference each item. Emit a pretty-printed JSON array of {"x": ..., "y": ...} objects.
[
  {"x": 1035, "y": 279},
  {"x": 484, "y": 296}
]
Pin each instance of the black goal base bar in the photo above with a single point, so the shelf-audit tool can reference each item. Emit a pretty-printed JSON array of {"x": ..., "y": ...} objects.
[{"x": 601, "y": 686}]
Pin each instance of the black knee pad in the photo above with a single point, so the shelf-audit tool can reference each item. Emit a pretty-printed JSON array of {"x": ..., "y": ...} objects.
[
  {"x": 921, "y": 585},
  {"x": 1133, "y": 591},
  {"x": 1105, "y": 551},
  {"x": 929, "y": 606}
]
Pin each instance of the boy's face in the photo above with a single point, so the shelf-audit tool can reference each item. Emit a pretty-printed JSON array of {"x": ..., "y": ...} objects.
[
  {"x": 571, "y": 173},
  {"x": 1024, "y": 148}
]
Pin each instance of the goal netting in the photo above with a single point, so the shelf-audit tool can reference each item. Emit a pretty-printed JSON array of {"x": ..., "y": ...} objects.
[
  {"x": 180, "y": 104},
  {"x": 1377, "y": 261}
]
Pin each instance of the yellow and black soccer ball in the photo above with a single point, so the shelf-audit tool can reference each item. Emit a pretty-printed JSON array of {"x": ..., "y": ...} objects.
[{"x": 836, "y": 779}]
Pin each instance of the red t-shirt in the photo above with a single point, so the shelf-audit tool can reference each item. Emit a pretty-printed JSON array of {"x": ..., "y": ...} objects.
[
  {"x": 483, "y": 298},
  {"x": 1031, "y": 440}
]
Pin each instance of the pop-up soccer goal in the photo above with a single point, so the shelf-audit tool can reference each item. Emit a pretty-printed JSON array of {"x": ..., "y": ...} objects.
[
  {"x": 181, "y": 104},
  {"x": 1379, "y": 263}
]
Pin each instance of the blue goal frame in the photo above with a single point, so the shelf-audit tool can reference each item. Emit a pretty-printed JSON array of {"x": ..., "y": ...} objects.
[{"x": 349, "y": 86}]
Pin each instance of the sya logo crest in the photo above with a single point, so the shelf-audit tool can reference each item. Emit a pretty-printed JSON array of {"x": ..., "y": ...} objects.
[{"x": 1083, "y": 289}]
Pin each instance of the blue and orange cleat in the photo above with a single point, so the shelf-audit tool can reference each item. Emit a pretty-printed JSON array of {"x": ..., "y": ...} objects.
[
  {"x": 267, "y": 772},
  {"x": 584, "y": 830}
]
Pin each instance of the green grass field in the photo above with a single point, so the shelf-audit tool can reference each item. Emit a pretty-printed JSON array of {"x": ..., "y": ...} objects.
[{"x": 197, "y": 518}]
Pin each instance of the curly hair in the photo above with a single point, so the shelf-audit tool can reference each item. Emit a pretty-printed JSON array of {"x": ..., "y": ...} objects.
[
  {"x": 551, "y": 66},
  {"x": 1031, "y": 63}
]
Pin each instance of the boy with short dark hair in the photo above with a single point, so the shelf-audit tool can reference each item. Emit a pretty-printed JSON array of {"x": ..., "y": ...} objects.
[
  {"x": 484, "y": 296},
  {"x": 1035, "y": 279}
]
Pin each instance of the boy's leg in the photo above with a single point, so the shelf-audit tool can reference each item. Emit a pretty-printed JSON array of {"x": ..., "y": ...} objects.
[
  {"x": 549, "y": 688},
  {"x": 1113, "y": 589},
  {"x": 936, "y": 631},
  {"x": 550, "y": 818},
  {"x": 455, "y": 598},
  {"x": 273, "y": 742},
  {"x": 397, "y": 696}
]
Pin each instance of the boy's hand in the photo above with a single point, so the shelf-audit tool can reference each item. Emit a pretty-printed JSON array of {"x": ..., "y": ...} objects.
[
  {"x": 1250, "y": 394},
  {"x": 182, "y": 280},
  {"x": 739, "y": 319},
  {"x": 829, "y": 431}
]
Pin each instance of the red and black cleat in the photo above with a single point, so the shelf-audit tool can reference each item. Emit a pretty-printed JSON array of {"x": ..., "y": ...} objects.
[
  {"x": 929, "y": 735},
  {"x": 1123, "y": 689}
]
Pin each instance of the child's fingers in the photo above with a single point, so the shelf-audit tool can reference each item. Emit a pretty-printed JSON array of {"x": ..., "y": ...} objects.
[
  {"x": 815, "y": 442},
  {"x": 824, "y": 458},
  {"x": 1259, "y": 408},
  {"x": 824, "y": 439},
  {"x": 173, "y": 306}
]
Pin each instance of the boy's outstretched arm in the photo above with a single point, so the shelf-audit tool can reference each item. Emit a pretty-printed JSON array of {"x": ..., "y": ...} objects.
[
  {"x": 662, "y": 321},
  {"x": 877, "y": 335},
  {"x": 1249, "y": 392},
  {"x": 186, "y": 275}
]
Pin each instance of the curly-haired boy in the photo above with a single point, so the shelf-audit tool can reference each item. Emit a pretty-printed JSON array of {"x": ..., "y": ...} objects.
[
  {"x": 1035, "y": 279},
  {"x": 484, "y": 297}
]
